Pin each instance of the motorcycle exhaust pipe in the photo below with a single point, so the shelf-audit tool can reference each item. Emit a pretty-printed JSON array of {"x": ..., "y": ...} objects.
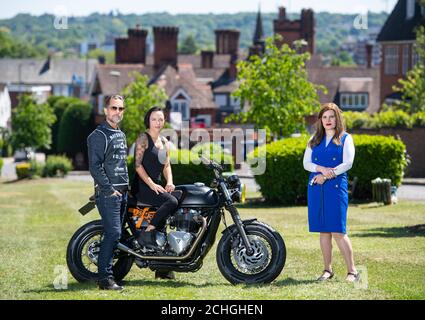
[{"x": 126, "y": 249}]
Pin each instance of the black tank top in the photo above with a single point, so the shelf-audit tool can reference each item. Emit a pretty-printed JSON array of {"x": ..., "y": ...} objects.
[{"x": 153, "y": 160}]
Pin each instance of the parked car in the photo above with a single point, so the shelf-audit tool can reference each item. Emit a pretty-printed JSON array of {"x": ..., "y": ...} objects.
[{"x": 25, "y": 154}]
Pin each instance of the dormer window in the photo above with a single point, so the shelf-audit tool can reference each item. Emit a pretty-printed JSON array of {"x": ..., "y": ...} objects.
[{"x": 180, "y": 103}]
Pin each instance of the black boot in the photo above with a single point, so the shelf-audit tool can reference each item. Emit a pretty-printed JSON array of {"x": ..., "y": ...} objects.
[
  {"x": 109, "y": 284},
  {"x": 147, "y": 239}
]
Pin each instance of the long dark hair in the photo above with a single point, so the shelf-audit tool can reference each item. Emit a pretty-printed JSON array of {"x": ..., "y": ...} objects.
[
  {"x": 320, "y": 130},
  {"x": 148, "y": 115}
]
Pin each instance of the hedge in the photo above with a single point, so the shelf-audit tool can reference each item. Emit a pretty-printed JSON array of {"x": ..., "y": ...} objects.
[
  {"x": 384, "y": 119},
  {"x": 285, "y": 180},
  {"x": 187, "y": 172},
  {"x": 23, "y": 170}
]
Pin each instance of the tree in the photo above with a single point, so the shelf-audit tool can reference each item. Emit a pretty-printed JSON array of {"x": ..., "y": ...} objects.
[
  {"x": 59, "y": 104},
  {"x": 139, "y": 98},
  {"x": 12, "y": 48},
  {"x": 413, "y": 87},
  {"x": 276, "y": 89},
  {"x": 31, "y": 124},
  {"x": 188, "y": 46},
  {"x": 74, "y": 128}
]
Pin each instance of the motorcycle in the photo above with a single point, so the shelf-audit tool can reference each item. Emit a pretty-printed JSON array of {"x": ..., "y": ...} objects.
[{"x": 248, "y": 252}]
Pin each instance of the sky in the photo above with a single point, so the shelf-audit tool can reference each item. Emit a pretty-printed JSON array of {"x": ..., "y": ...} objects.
[{"x": 86, "y": 7}]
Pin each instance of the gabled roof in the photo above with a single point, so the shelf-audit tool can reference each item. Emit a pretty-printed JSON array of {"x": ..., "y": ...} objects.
[
  {"x": 397, "y": 27},
  {"x": 184, "y": 79},
  {"x": 61, "y": 71},
  {"x": 347, "y": 79},
  {"x": 112, "y": 78}
]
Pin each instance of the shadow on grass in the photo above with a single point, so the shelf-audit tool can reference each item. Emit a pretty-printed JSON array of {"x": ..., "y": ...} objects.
[
  {"x": 291, "y": 282},
  {"x": 395, "y": 232},
  {"x": 78, "y": 287},
  {"x": 75, "y": 287}
]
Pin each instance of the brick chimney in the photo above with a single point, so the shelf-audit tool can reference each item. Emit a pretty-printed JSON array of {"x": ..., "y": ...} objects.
[
  {"x": 207, "y": 59},
  {"x": 307, "y": 28},
  {"x": 165, "y": 46},
  {"x": 369, "y": 48},
  {"x": 133, "y": 48},
  {"x": 282, "y": 13},
  {"x": 227, "y": 41}
]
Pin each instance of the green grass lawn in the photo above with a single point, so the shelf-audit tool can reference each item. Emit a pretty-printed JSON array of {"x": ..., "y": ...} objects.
[{"x": 39, "y": 217}]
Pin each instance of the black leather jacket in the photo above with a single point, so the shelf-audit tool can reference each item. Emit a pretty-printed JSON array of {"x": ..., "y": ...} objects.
[{"x": 107, "y": 152}]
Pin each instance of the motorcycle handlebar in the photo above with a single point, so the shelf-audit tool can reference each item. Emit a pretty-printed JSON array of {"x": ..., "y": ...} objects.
[{"x": 211, "y": 163}]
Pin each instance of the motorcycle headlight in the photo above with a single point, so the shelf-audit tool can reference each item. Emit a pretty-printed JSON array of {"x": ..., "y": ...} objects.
[
  {"x": 233, "y": 182},
  {"x": 237, "y": 190}
]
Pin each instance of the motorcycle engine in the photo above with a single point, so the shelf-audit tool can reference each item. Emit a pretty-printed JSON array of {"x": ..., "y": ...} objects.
[{"x": 185, "y": 226}]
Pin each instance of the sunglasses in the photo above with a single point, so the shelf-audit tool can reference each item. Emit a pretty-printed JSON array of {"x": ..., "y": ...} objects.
[{"x": 115, "y": 108}]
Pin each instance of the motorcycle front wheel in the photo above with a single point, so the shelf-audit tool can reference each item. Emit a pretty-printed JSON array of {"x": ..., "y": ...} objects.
[
  {"x": 262, "y": 266},
  {"x": 83, "y": 251}
]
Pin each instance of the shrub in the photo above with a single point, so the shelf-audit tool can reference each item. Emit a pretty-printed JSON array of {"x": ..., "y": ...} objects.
[
  {"x": 357, "y": 120},
  {"x": 377, "y": 156},
  {"x": 36, "y": 168},
  {"x": 392, "y": 119},
  {"x": 419, "y": 119},
  {"x": 56, "y": 166},
  {"x": 384, "y": 119},
  {"x": 23, "y": 170},
  {"x": 285, "y": 180}
]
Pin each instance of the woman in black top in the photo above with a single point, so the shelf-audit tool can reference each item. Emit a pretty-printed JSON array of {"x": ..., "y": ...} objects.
[{"x": 151, "y": 159}]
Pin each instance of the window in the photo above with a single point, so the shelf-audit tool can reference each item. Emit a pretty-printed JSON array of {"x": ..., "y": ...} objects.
[
  {"x": 358, "y": 101},
  {"x": 182, "y": 106},
  {"x": 61, "y": 90},
  {"x": 220, "y": 100},
  {"x": 406, "y": 57},
  {"x": 391, "y": 60}
]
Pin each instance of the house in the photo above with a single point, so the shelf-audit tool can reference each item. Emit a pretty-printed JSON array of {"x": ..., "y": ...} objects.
[
  {"x": 185, "y": 78},
  {"x": 397, "y": 38},
  {"x": 64, "y": 77},
  {"x": 5, "y": 107}
]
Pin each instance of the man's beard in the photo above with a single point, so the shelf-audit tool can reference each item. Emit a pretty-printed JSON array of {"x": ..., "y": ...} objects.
[{"x": 116, "y": 119}]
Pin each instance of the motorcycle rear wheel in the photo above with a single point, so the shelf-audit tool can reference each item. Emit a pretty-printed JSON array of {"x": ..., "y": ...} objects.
[{"x": 82, "y": 251}]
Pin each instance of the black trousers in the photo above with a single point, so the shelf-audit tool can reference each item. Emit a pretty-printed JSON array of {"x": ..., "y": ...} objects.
[{"x": 166, "y": 203}]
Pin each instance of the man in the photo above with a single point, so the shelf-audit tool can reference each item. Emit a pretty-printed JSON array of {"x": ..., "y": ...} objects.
[{"x": 107, "y": 152}]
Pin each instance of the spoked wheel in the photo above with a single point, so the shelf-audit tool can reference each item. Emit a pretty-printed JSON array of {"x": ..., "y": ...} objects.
[
  {"x": 83, "y": 251},
  {"x": 262, "y": 266}
]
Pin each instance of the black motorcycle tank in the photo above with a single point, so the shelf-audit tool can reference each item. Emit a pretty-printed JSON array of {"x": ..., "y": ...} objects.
[{"x": 198, "y": 196}]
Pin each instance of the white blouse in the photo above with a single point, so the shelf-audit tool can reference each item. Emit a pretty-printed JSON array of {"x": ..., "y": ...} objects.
[{"x": 347, "y": 156}]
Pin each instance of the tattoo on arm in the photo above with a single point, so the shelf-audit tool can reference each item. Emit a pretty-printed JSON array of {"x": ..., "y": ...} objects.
[{"x": 141, "y": 146}]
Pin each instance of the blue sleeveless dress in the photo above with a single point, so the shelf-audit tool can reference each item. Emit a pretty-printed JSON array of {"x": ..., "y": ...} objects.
[{"x": 328, "y": 203}]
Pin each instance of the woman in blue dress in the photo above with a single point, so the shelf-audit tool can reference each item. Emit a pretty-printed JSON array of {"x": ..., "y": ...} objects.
[{"x": 328, "y": 156}]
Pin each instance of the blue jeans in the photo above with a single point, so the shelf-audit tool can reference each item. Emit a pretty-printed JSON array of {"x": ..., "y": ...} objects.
[{"x": 112, "y": 210}]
